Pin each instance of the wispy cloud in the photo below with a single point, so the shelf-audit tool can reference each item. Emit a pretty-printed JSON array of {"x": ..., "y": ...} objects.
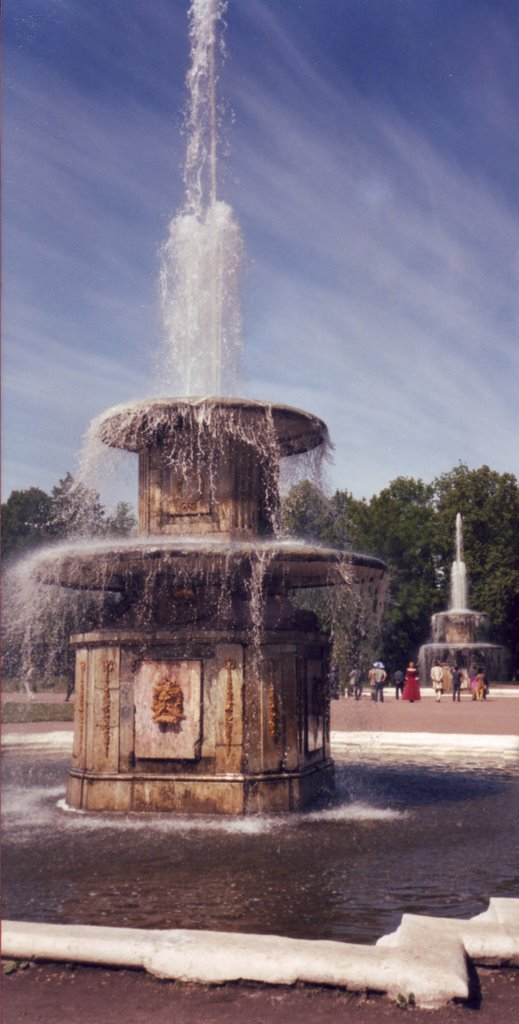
[{"x": 381, "y": 225}]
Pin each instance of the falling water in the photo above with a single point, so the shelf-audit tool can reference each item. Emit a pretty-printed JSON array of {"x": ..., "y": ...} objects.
[
  {"x": 459, "y": 572},
  {"x": 201, "y": 258}
]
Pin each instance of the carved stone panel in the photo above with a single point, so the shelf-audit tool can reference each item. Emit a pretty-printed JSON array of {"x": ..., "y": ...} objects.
[
  {"x": 168, "y": 709},
  {"x": 185, "y": 493}
]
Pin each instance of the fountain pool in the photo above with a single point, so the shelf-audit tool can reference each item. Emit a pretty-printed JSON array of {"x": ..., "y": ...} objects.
[{"x": 397, "y": 837}]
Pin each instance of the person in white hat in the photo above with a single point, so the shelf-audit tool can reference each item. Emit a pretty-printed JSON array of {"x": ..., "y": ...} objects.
[{"x": 377, "y": 678}]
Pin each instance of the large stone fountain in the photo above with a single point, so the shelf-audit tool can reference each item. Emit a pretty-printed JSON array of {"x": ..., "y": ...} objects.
[
  {"x": 205, "y": 689},
  {"x": 202, "y": 686},
  {"x": 461, "y": 637}
]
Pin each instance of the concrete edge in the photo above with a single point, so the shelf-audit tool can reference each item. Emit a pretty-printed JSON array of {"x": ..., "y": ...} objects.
[
  {"x": 62, "y": 740},
  {"x": 434, "y": 968},
  {"x": 508, "y": 744},
  {"x": 340, "y": 741}
]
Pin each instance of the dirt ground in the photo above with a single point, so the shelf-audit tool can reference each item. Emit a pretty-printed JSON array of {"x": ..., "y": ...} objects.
[{"x": 61, "y": 994}]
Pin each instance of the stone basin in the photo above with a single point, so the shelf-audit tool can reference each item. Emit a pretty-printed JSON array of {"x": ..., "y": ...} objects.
[
  {"x": 285, "y": 565},
  {"x": 136, "y": 425}
]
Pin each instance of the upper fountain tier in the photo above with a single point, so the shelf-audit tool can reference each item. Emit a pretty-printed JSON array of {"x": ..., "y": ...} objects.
[
  {"x": 135, "y": 425},
  {"x": 210, "y": 466}
]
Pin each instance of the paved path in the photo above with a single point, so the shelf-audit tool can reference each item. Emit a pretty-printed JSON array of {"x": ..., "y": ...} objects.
[{"x": 496, "y": 716}]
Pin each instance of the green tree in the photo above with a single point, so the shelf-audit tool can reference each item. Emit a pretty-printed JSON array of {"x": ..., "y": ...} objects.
[
  {"x": 123, "y": 522},
  {"x": 307, "y": 512},
  {"x": 38, "y": 619},
  {"x": 398, "y": 526},
  {"x": 310, "y": 514},
  {"x": 76, "y": 510},
  {"x": 26, "y": 521}
]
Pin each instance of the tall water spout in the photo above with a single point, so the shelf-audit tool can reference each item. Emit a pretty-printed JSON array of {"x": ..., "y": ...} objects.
[
  {"x": 201, "y": 259},
  {"x": 459, "y": 572}
]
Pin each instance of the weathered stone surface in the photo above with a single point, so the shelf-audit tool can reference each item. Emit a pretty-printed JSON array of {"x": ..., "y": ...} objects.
[
  {"x": 425, "y": 956},
  {"x": 205, "y": 689}
]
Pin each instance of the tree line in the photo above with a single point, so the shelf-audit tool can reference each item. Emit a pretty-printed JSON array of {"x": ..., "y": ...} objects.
[
  {"x": 37, "y": 636},
  {"x": 410, "y": 525},
  {"x": 32, "y": 518}
]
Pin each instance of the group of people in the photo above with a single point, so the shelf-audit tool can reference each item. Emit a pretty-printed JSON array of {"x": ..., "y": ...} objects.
[
  {"x": 462, "y": 679},
  {"x": 407, "y": 685}
]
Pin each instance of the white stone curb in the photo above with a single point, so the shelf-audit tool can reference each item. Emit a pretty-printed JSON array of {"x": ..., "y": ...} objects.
[
  {"x": 344, "y": 741},
  {"x": 40, "y": 740},
  {"x": 340, "y": 741},
  {"x": 425, "y": 956},
  {"x": 490, "y": 938}
]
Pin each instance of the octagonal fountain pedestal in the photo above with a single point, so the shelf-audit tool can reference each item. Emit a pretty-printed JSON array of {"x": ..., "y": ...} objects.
[{"x": 205, "y": 689}]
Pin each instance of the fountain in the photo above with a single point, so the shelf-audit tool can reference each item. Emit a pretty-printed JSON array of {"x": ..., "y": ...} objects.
[
  {"x": 460, "y": 637},
  {"x": 203, "y": 688}
]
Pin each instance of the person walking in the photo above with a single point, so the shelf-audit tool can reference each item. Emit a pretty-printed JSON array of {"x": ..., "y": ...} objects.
[
  {"x": 480, "y": 684},
  {"x": 465, "y": 681},
  {"x": 457, "y": 678},
  {"x": 29, "y": 681},
  {"x": 398, "y": 680},
  {"x": 372, "y": 679},
  {"x": 377, "y": 678},
  {"x": 472, "y": 676},
  {"x": 437, "y": 681},
  {"x": 411, "y": 684},
  {"x": 356, "y": 682}
]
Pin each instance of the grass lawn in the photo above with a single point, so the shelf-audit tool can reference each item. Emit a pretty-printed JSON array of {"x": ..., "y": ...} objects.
[{"x": 33, "y": 712}]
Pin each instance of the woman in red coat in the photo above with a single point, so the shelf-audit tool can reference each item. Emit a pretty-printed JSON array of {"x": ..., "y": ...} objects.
[{"x": 411, "y": 685}]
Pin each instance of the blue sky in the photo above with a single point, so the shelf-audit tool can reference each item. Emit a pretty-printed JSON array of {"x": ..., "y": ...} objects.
[{"x": 371, "y": 156}]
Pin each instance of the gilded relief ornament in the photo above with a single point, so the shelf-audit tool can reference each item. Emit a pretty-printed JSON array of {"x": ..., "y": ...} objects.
[
  {"x": 168, "y": 702},
  {"x": 300, "y": 708},
  {"x": 230, "y": 664},
  {"x": 108, "y": 667},
  {"x": 274, "y": 704},
  {"x": 81, "y": 699}
]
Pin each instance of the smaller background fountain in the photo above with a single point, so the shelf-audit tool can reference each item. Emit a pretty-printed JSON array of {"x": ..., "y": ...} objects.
[{"x": 460, "y": 636}]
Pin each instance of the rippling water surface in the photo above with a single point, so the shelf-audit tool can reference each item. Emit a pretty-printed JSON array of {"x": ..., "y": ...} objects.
[{"x": 400, "y": 836}]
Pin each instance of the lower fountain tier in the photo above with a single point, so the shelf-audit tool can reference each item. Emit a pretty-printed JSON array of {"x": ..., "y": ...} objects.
[
  {"x": 190, "y": 721},
  {"x": 492, "y": 658},
  {"x": 281, "y": 565}
]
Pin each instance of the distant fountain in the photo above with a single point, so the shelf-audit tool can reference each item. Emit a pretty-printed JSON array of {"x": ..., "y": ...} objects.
[
  {"x": 460, "y": 637},
  {"x": 201, "y": 687}
]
